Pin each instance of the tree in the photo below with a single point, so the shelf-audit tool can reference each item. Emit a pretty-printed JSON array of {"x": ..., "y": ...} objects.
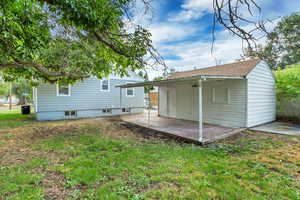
[
  {"x": 283, "y": 44},
  {"x": 229, "y": 14},
  {"x": 64, "y": 40},
  {"x": 20, "y": 88},
  {"x": 4, "y": 88},
  {"x": 287, "y": 83}
]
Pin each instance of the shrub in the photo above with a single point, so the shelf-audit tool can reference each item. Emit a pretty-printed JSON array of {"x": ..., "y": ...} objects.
[{"x": 288, "y": 83}]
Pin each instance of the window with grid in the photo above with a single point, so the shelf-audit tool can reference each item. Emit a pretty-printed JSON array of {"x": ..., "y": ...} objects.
[
  {"x": 63, "y": 90},
  {"x": 104, "y": 85}
]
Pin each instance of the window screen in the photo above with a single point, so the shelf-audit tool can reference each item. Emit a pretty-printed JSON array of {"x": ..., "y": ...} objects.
[
  {"x": 125, "y": 109},
  {"x": 220, "y": 95},
  {"x": 105, "y": 85},
  {"x": 107, "y": 110},
  {"x": 63, "y": 90},
  {"x": 130, "y": 92},
  {"x": 70, "y": 113}
]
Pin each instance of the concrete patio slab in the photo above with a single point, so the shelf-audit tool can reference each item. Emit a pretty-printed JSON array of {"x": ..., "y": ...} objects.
[
  {"x": 279, "y": 128},
  {"x": 184, "y": 129}
]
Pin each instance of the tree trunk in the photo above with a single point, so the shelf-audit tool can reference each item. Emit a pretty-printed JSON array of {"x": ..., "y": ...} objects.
[
  {"x": 10, "y": 96},
  {"x": 22, "y": 100}
]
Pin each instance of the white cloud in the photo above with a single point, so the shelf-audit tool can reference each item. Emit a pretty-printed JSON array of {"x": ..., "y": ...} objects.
[
  {"x": 185, "y": 15},
  {"x": 191, "y": 10},
  {"x": 198, "y": 4},
  {"x": 165, "y": 32},
  {"x": 197, "y": 53}
]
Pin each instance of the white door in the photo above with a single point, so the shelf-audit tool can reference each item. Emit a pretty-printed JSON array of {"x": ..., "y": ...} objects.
[
  {"x": 171, "y": 97},
  {"x": 186, "y": 100}
]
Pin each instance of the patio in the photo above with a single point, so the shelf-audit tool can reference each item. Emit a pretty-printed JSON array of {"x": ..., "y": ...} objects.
[{"x": 184, "y": 129}]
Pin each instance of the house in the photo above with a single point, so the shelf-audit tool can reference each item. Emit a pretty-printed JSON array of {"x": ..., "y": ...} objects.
[
  {"x": 89, "y": 98},
  {"x": 5, "y": 100},
  {"x": 236, "y": 95}
]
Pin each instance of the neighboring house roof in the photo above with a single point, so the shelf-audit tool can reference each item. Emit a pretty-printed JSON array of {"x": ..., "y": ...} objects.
[{"x": 241, "y": 68}]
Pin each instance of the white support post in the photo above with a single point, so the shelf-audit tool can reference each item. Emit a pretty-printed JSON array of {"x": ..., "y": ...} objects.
[
  {"x": 200, "y": 138},
  {"x": 149, "y": 106}
]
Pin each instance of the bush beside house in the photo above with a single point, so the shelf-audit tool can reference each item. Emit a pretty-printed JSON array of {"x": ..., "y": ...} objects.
[{"x": 288, "y": 92}]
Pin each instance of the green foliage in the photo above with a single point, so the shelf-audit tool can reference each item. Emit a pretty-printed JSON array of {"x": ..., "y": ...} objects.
[
  {"x": 21, "y": 88},
  {"x": 283, "y": 43},
  {"x": 288, "y": 82},
  {"x": 4, "y": 89},
  {"x": 69, "y": 40}
]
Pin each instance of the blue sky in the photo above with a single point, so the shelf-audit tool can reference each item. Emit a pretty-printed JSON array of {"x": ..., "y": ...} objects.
[{"x": 181, "y": 31}]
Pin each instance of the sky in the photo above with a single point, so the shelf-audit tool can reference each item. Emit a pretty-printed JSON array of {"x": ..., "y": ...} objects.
[{"x": 181, "y": 32}]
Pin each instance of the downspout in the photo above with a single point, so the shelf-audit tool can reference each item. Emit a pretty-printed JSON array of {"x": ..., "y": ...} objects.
[{"x": 121, "y": 98}]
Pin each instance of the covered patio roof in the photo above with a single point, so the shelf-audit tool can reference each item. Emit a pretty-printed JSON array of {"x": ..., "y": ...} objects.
[
  {"x": 236, "y": 70},
  {"x": 176, "y": 80}
]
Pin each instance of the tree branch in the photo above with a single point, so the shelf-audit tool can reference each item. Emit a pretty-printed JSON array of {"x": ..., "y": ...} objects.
[{"x": 43, "y": 70}]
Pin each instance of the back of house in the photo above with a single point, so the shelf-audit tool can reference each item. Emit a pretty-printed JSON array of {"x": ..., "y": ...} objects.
[
  {"x": 89, "y": 98},
  {"x": 239, "y": 94}
]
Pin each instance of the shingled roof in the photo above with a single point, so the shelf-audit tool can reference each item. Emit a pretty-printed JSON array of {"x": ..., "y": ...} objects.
[{"x": 241, "y": 68}]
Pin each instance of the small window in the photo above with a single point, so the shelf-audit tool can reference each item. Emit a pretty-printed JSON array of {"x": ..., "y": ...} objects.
[
  {"x": 220, "y": 95},
  {"x": 104, "y": 85},
  {"x": 130, "y": 92},
  {"x": 63, "y": 90},
  {"x": 125, "y": 109},
  {"x": 107, "y": 110},
  {"x": 70, "y": 113}
]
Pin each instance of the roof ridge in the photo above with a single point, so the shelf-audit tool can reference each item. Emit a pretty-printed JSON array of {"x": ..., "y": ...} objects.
[
  {"x": 220, "y": 65},
  {"x": 239, "y": 68}
]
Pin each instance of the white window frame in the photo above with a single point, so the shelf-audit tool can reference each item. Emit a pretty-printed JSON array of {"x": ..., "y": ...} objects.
[
  {"x": 214, "y": 96},
  {"x": 130, "y": 89},
  {"x": 63, "y": 95},
  {"x": 108, "y": 84}
]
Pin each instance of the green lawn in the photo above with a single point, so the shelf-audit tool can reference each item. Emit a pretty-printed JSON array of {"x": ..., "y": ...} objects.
[
  {"x": 100, "y": 159},
  {"x": 13, "y": 118}
]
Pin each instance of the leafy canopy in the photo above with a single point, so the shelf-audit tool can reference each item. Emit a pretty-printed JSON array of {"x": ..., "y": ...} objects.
[
  {"x": 288, "y": 82},
  {"x": 283, "y": 44},
  {"x": 62, "y": 40}
]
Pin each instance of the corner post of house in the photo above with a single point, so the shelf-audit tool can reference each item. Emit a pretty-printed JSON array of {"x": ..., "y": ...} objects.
[
  {"x": 120, "y": 97},
  {"x": 200, "y": 127}
]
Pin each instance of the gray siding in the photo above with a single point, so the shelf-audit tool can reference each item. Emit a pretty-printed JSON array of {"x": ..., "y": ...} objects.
[
  {"x": 261, "y": 95},
  {"x": 87, "y": 99},
  {"x": 233, "y": 113},
  {"x": 184, "y": 102},
  {"x": 162, "y": 101},
  {"x": 178, "y": 101}
]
